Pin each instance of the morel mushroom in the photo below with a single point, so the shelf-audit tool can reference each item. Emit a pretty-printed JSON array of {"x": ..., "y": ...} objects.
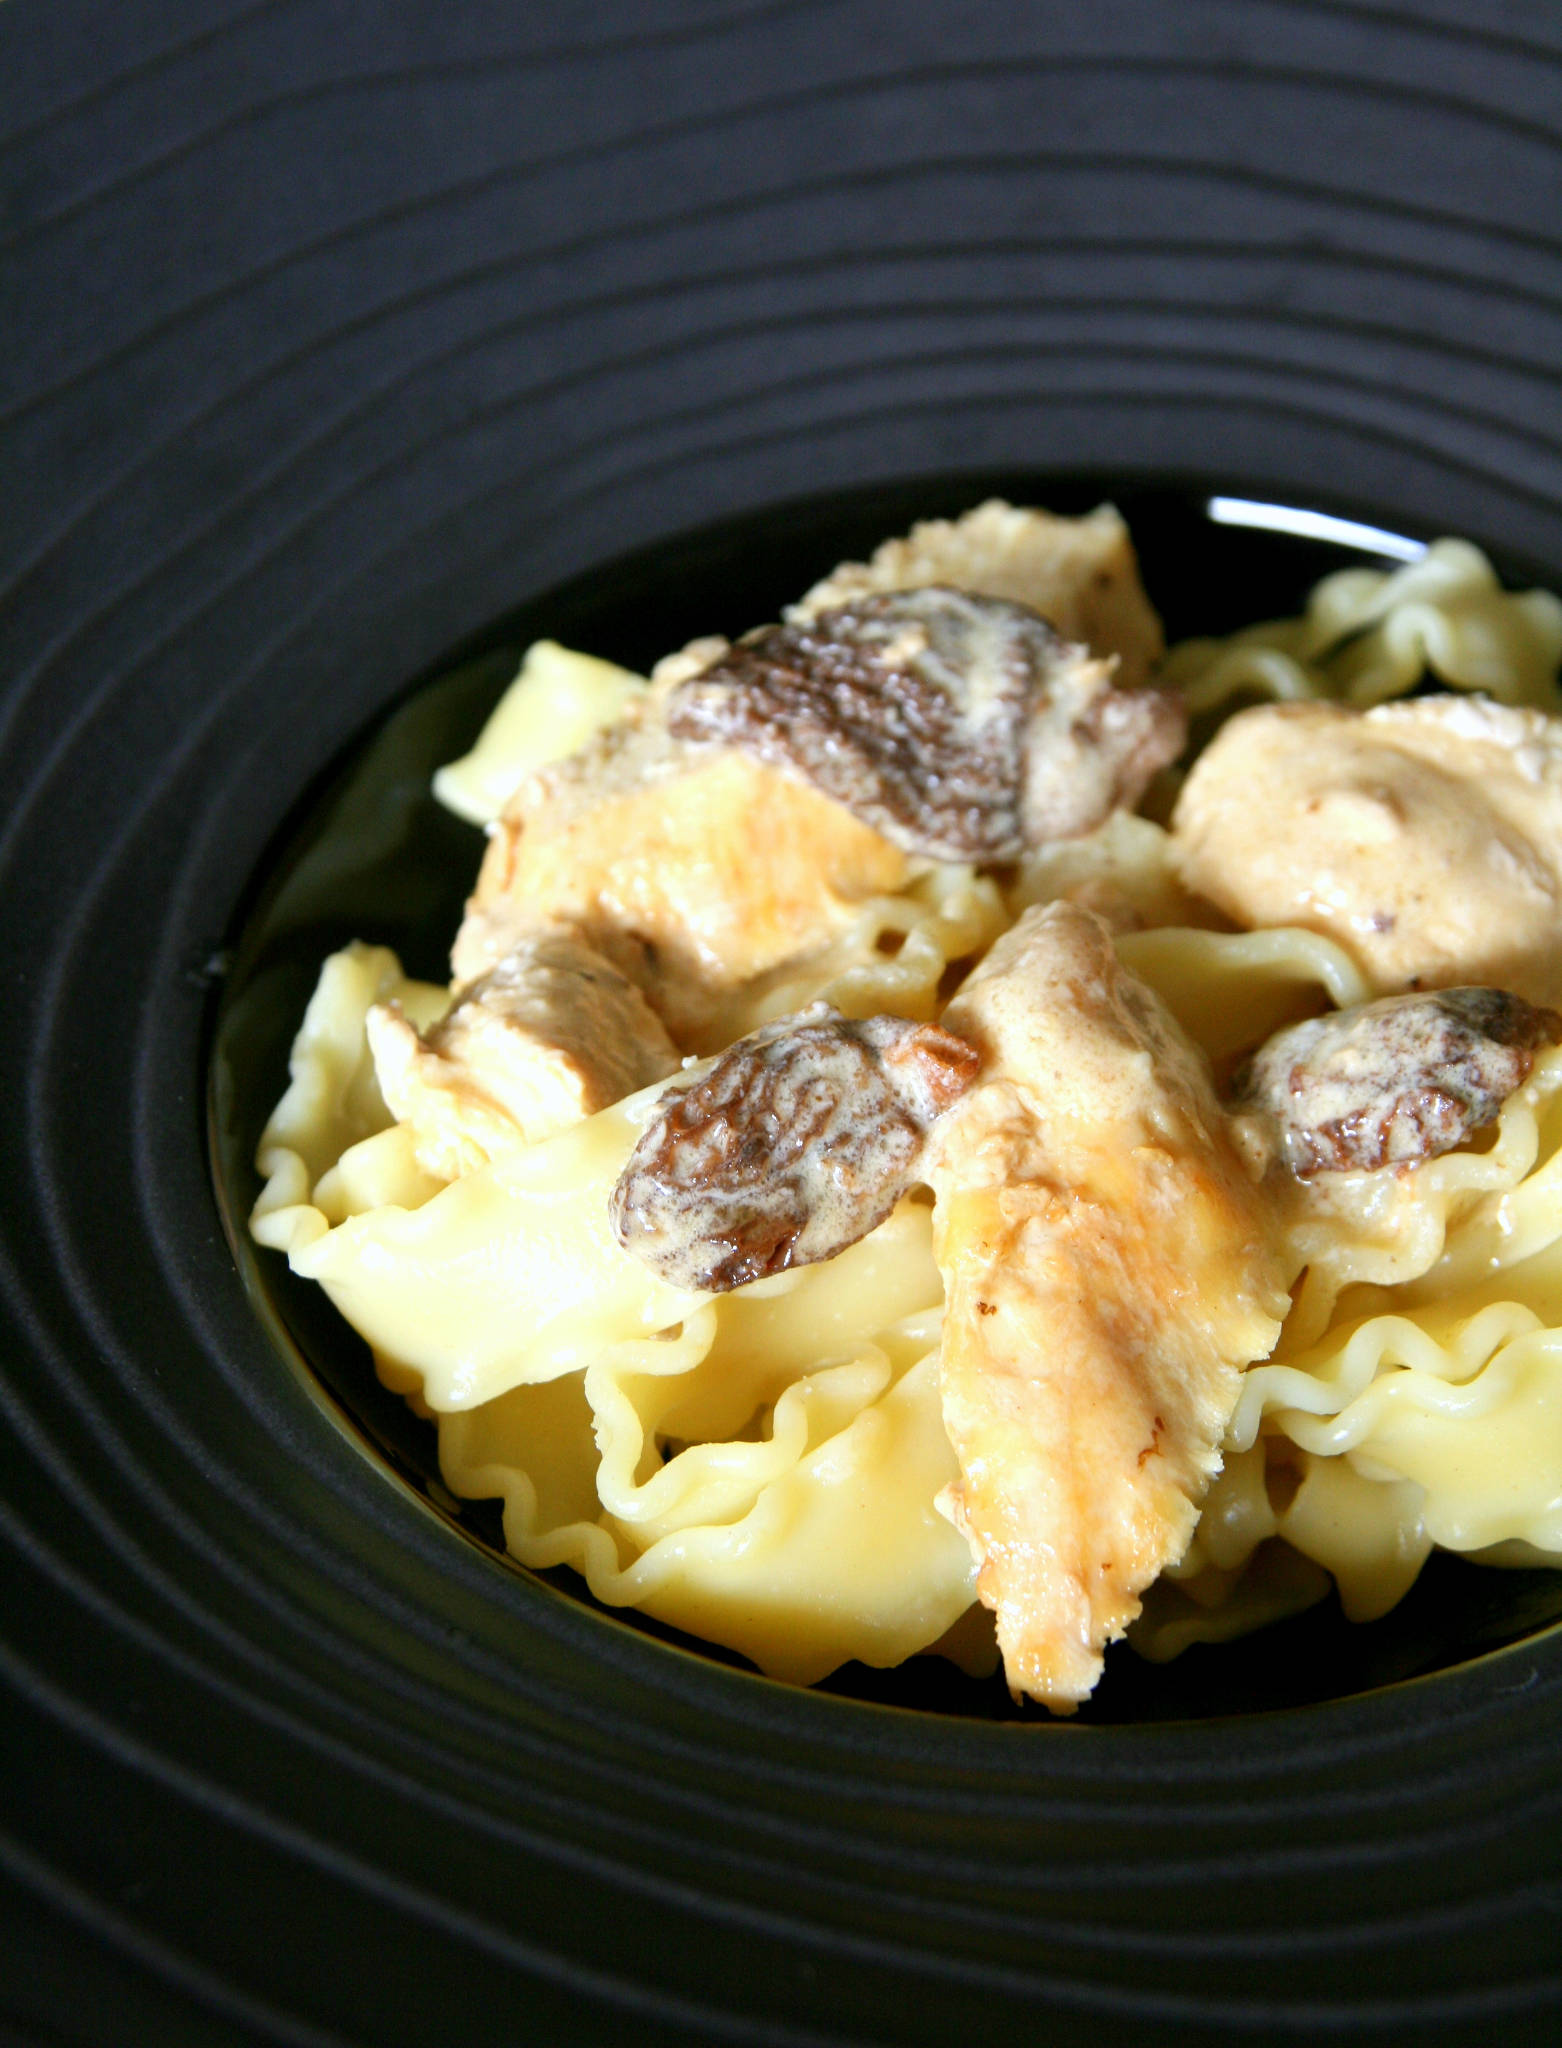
[
  {"x": 961, "y": 727},
  {"x": 1396, "y": 1081},
  {"x": 798, "y": 1141}
]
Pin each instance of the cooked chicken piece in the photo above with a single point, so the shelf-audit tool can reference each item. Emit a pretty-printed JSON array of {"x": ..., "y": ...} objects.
[
  {"x": 693, "y": 868},
  {"x": 549, "y": 1035},
  {"x": 687, "y": 661},
  {"x": 736, "y": 818},
  {"x": 1080, "y": 574},
  {"x": 1108, "y": 1273},
  {"x": 1425, "y": 836}
]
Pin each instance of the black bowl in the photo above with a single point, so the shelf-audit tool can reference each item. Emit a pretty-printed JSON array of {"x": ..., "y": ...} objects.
[
  {"x": 332, "y": 337},
  {"x": 372, "y": 855}
]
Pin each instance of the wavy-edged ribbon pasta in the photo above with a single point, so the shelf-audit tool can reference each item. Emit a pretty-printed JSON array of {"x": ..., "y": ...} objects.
[{"x": 771, "y": 1468}]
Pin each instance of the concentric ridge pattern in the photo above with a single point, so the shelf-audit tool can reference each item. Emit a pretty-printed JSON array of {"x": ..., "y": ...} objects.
[{"x": 332, "y": 335}]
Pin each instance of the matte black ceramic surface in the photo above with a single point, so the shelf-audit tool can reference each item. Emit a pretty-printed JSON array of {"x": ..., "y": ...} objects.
[{"x": 331, "y": 336}]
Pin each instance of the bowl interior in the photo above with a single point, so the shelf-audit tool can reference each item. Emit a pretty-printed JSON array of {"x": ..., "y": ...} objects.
[{"x": 368, "y": 854}]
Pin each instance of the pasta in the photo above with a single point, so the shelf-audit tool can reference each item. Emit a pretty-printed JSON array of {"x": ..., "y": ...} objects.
[{"x": 762, "y": 1468}]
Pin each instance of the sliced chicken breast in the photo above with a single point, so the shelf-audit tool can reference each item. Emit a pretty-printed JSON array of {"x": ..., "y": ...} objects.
[
  {"x": 1425, "y": 836},
  {"x": 693, "y": 868},
  {"x": 550, "y": 1034},
  {"x": 1081, "y": 574},
  {"x": 1109, "y": 1273}
]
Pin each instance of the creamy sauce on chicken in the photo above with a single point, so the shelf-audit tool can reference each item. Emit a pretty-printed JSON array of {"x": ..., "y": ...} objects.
[
  {"x": 1425, "y": 836},
  {"x": 1109, "y": 1270},
  {"x": 551, "y": 1033},
  {"x": 693, "y": 868}
]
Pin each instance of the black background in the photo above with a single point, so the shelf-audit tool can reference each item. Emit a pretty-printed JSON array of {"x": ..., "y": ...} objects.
[{"x": 330, "y": 334}]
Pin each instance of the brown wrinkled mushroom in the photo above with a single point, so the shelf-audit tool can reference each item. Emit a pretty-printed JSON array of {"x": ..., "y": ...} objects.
[
  {"x": 961, "y": 727},
  {"x": 798, "y": 1141},
  {"x": 1392, "y": 1082}
]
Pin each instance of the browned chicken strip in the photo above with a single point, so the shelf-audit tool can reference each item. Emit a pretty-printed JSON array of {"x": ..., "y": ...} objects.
[
  {"x": 1108, "y": 1273},
  {"x": 738, "y": 818},
  {"x": 693, "y": 868},
  {"x": 552, "y": 1033},
  {"x": 1080, "y": 574}
]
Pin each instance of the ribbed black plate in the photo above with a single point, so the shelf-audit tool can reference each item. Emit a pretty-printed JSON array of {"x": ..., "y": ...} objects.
[{"x": 331, "y": 336}]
